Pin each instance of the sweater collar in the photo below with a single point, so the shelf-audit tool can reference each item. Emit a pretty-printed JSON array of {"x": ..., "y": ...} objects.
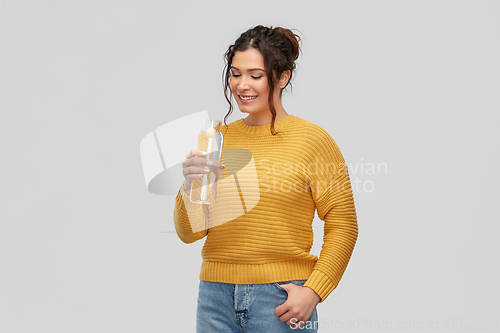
[{"x": 264, "y": 129}]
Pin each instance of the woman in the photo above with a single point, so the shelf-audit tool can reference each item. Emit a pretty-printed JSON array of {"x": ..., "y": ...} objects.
[{"x": 257, "y": 273}]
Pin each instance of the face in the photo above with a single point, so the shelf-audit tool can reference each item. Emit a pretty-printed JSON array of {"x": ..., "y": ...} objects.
[{"x": 248, "y": 81}]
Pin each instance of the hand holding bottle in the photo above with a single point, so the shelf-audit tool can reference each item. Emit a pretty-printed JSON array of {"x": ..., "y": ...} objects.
[{"x": 196, "y": 165}]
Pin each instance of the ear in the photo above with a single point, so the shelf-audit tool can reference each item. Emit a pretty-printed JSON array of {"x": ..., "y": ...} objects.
[{"x": 285, "y": 77}]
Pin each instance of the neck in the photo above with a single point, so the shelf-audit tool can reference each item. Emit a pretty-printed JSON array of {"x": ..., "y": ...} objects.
[{"x": 264, "y": 118}]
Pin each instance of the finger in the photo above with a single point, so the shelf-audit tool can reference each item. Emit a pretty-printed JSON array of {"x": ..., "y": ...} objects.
[
  {"x": 198, "y": 169},
  {"x": 196, "y": 152},
  {"x": 190, "y": 161},
  {"x": 281, "y": 309},
  {"x": 287, "y": 317},
  {"x": 195, "y": 172},
  {"x": 286, "y": 286},
  {"x": 300, "y": 320},
  {"x": 216, "y": 164},
  {"x": 295, "y": 323},
  {"x": 193, "y": 177},
  {"x": 199, "y": 162}
]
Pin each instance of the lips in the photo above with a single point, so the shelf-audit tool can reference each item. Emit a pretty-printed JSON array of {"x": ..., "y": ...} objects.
[{"x": 247, "y": 98}]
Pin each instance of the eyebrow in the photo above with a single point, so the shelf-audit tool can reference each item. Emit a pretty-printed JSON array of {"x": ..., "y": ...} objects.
[{"x": 250, "y": 70}]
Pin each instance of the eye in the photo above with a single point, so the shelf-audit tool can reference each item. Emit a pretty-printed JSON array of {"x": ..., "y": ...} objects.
[
  {"x": 235, "y": 75},
  {"x": 256, "y": 77}
]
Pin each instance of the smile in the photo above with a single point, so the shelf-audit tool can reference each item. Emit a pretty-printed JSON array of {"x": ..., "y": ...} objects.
[{"x": 247, "y": 98}]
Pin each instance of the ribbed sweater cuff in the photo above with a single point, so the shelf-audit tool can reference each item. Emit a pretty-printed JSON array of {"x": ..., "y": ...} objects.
[
  {"x": 192, "y": 212},
  {"x": 320, "y": 283}
]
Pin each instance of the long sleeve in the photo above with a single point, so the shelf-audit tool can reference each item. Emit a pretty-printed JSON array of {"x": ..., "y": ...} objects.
[
  {"x": 190, "y": 219},
  {"x": 335, "y": 206}
]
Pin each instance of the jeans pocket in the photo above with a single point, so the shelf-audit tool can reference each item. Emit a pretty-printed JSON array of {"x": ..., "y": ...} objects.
[
  {"x": 279, "y": 287},
  {"x": 299, "y": 283}
]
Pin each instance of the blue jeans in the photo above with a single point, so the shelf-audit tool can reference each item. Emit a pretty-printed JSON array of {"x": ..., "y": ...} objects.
[{"x": 245, "y": 308}]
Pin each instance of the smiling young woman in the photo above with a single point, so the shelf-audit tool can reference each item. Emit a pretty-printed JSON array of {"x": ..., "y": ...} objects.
[
  {"x": 268, "y": 57},
  {"x": 250, "y": 88},
  {"x": 258, "y": 274}
]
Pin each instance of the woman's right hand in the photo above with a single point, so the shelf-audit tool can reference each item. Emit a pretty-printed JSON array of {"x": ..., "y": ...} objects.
[{"x": 195, "y": 167}]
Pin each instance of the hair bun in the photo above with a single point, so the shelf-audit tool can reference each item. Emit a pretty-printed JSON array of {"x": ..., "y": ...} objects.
[{"x": 294, "y": 40}]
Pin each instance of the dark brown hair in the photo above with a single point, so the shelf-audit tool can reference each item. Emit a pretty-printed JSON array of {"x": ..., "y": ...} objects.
[{"x": 279, "y": 47}]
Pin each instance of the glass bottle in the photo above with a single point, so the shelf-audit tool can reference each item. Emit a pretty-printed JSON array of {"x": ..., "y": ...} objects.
[{"x": 210, "y": 139}]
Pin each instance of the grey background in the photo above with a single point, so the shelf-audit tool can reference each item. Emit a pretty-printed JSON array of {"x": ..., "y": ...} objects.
[{"x": 410, "y": 85}]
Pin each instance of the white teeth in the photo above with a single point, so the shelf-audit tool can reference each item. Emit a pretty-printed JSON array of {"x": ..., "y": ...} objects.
[{"x": 247, "y": 98}]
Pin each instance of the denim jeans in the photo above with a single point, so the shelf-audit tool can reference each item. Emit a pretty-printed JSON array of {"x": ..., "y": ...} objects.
[{"x": 245, "y": 308}]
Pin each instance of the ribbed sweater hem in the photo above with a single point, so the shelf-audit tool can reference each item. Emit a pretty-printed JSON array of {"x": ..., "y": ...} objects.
[{"x": 256, "y": 273}]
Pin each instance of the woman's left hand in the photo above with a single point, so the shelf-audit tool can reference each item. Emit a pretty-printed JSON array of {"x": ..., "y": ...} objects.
[{"x": 300, "y": 305}]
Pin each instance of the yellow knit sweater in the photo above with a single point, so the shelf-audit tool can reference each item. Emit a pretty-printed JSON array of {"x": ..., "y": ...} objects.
[{"x": 260, "y": 228}]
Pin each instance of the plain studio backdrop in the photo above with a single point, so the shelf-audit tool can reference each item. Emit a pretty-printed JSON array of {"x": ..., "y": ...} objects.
[{"x": 408, "y": 90}]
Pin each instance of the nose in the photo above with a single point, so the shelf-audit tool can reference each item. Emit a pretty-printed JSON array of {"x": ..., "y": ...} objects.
[{"x": 243, "y": 84}]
